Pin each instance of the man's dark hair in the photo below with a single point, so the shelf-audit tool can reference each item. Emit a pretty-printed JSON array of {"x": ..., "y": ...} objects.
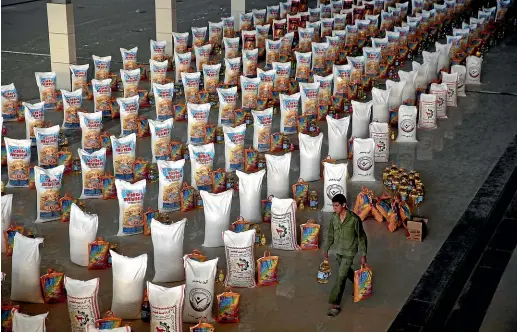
[{"x": 340, "y": 198}]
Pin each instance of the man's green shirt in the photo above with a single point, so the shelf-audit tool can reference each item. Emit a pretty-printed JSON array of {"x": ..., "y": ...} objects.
[{"x": 348, "y": 236}]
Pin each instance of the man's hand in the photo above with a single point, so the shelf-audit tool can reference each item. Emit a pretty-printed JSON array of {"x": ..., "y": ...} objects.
[
  {"x": 363, "y": 260},
  {"x": 326, "y": 255}
]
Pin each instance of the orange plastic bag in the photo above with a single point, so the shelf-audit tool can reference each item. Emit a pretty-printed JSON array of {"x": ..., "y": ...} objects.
[
  {"x": 8, "y": 311},
  {"x": 176, "y": 150},
  {"x": 267, "y": 270},
  {"x": 301, "y": 192},
  {"x": 228, "y": 307},
  {"x": 187, "y": 199},
  {"x": 109, "y": 190},
  {"x": 266, "y": 209},
  {"x": 53, "y": 286},
  {"x": 109, "y": 321},
  {"x": 66, "y": 205},
  {"x": 393, "y": 216},
  {"x": 384, "y": 205},
  {"x": 363, "y": 286},
  {"x": 149, "y": 215},
  {"x": 376, "y": 214},
  {"x": 364, "y": 211},
  {"x": 98, "y": 254},
  {"x": 327, "y": 159},
  {"x": 309, "y": 237},
  {"x": 202, "y": 326},
  {"x": 250, "y": 160},
  {"x": 9, "y": 237},
  {"x": 197, "y": 256},
  {"x": 240, "y": 225},
  {"x": 218, "y": 180}
]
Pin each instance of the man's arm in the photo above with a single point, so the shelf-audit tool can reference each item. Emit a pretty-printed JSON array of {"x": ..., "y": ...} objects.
[
  {"x": 363, "y": 241},
  {"x": 329, "y": 236}
]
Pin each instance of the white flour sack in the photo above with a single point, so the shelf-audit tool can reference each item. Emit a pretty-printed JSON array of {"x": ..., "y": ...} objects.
[
  {"x": 451, "y": 80},
  {"x": 473, "y": 70},
  {"x": 421, "y": 78},
  {"x": 310, "y": 156},
  {"x": 168, "y": 250},
  {"x": 427, "y": 107},
  {"x": 18, "y": 162},
  {"x": 278, "y": 167},
  {"x": 83, "y": 305},
  {"x": 91, "y": 125},
  {"x": 201, "y": 164},
  {"x": 409, "y": 90},
  {"x": 128, "y": 285},
  {"x": 283, "y": 224},
  {"x": 166, "y": 307},
  {"x": 25, "y": 283},
  {"x": 432, "y": 59},
  {"x": 361, "y": 113},
  {"x": 240, "y": 259},
  {"x": 7, "y": 205},
  {"x": 364, "y": 160},
  {"x": 334, "y": 183},
  {"x": 444, "y": 57},
  {"x": 48, "y": 186},
  {"x": 227, "y": 104},
  {"x": 124, "y": 150},
  {"x": 128, "y": 114},
  {"x": 131, "y": 207},
  {"x": 199, "y": 289},
  {"x": 47, "y": 145},
  {"x": 338, "y": 133},
  {"x": 217, "y": 216},
  {"x": 26, "y": 323},
  {"x": 380, "y": 108},
  {"x": 407, "y": 124},
  {"x": 72, "y": 103},
  {"x": 197, "y": 115},
  {"x": 395, "y": 98},
  {"x": 92, "y": 170},
  {"x": 170, "y": 177},
  {"x": 289, "y": 113},
  {"x": 234, "y": 147},
  {"x": 82, "y": 231},
  {"x": 250, "y": 187},
  {"x": 309, "y": 93},
  {"x": 34, "y": 117},
  {"x": 440, "y": 91},
  {"x": 160, "y": 138},
  {"x": 262, "y": 121},
  {"x": 380, "y": 133},
  {"x": 462, "y": 72}
]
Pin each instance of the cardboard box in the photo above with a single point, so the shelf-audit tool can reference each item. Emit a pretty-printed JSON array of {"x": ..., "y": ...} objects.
[{"x": 416, "y": 229}]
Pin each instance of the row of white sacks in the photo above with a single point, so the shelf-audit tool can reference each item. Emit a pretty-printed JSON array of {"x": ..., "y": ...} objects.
[{"x": 186, "y": 303}]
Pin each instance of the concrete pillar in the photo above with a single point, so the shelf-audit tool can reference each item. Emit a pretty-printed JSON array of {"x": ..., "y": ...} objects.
[
  {"x": 166, "y": 22},
  {"x": 238, "y": 7},
  {"x": 61, "y": 36}
]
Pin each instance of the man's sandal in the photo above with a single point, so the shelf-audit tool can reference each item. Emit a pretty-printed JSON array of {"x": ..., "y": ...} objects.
[{"x": 333, "y": 312}]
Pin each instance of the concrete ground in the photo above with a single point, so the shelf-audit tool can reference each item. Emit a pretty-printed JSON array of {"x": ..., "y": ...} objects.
[{"x": 453, "y": 162}]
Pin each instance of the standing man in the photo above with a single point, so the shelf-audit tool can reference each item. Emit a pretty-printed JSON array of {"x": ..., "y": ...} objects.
[{"x": 346, "y": 232}]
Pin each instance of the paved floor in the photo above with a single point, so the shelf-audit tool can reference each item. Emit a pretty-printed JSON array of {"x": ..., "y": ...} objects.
[{"x": 453, "y": 161}]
